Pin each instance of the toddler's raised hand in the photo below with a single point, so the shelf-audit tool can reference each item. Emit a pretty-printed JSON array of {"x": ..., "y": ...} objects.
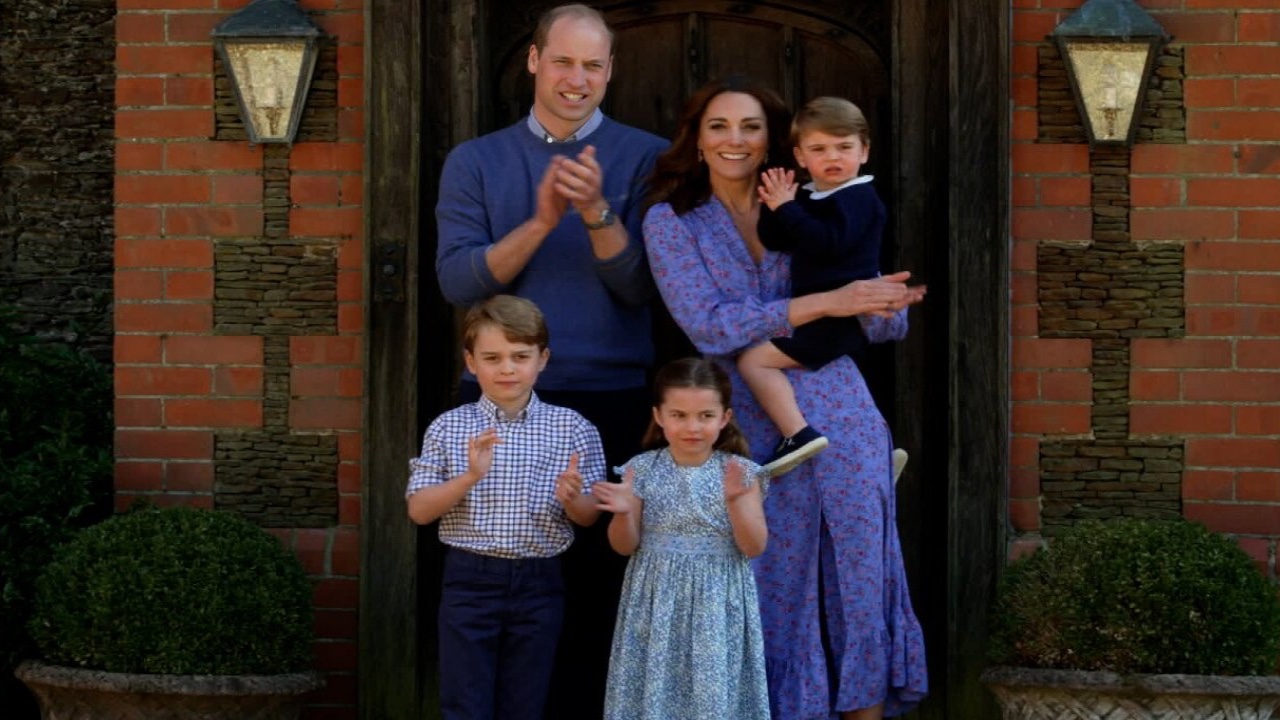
[
  {"x": 777, "y": 186},
  {"x": 480, "y": 452},
  {"x": 569, "y": 482},
  {"x": 618, "y": 498},
  {"x": 735, "y": 481}
]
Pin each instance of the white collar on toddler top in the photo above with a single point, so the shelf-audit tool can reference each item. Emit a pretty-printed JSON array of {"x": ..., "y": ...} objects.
[{"x": 819, "y": 194}]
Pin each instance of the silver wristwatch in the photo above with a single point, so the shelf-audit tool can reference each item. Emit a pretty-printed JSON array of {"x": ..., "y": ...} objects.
[{"x": 607, "y": 218}]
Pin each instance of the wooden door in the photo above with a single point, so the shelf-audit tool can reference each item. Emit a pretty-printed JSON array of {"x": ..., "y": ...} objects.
[
  {"x": 666, "y": 50},
  {"x": 930, "y": 77}
]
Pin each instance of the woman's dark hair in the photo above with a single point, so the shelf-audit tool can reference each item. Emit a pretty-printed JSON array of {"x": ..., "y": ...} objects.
[
  {"x": 702, "y": 374},
  {"x": 680, "y": 178}
]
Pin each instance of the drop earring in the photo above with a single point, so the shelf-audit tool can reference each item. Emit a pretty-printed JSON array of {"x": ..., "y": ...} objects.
[{"x": 699, "y": 154}]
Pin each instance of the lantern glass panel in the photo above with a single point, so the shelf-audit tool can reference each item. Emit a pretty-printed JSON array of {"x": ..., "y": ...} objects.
[
  {"x": 1109, "y": 78},
  {"x": 267, "y": 74}
]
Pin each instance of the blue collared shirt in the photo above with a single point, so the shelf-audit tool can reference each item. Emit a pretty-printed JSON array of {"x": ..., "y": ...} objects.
[
  {"x": 581, "y": 133},
  {"x": 512, "y": 512}
]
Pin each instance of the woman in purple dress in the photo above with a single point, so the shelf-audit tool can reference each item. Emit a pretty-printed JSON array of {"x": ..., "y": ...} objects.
[{"x": 841, "y": 639}]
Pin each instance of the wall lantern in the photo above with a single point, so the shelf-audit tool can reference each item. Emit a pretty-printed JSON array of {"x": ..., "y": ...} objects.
[
  {"x": 269, "y": 50},
  {"x": 1109, "y": 47}
]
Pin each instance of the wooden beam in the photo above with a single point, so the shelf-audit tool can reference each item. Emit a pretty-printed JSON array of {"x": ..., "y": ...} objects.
[
  {"x": 390, "y": 663},
  {"x": 978, "y": 405}
]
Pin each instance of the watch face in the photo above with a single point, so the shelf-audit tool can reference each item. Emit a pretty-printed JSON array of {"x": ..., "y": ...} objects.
[{"x": 606, "y": 219}]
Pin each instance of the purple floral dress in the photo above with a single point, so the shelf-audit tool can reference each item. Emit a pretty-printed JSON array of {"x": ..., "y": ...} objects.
[{"x": 831, "y": 521}]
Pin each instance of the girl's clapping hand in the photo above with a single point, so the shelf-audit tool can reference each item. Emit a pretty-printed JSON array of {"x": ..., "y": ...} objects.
[
  {"x": 618, "y": 498},
  {"x": 735, "y": 482}
]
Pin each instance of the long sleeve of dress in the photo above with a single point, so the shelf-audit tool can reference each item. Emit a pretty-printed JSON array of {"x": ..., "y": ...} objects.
[
  {"x": 736, "y": 305},
  {"x": 878, "y": 329},
  {"x": 722, "y": 311}
]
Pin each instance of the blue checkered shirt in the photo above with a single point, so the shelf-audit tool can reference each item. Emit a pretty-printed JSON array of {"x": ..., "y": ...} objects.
[{"x": 512, "y": 512}]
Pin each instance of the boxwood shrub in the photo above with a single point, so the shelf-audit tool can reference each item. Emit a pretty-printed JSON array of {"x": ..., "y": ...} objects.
[
  {"x": 55, "y": 473},
  {"x": 175, "y": 591},
  {"x": 1138, "y": 596}
]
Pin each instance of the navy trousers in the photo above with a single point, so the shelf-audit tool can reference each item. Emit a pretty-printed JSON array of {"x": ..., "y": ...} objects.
[{"x": 499, "y": 624}]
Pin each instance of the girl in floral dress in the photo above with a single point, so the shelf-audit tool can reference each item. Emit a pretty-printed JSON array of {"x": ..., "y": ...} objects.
[{"x": 689, "y": 512}]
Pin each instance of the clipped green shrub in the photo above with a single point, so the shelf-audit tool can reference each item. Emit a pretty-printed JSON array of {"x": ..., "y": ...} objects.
[
  {"x": 1138, "y": 596},
  {"x": 175, "y": 591},
  {"x": 55, "y": 470}
]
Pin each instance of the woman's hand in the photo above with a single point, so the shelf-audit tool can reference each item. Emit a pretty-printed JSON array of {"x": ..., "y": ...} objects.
[{"x": 883, "y": 296}]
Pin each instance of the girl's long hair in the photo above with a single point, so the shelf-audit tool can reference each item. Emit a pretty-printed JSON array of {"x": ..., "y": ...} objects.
[
  {"x": 680, "y": 178},
  {"x": 701, "y": 374}
]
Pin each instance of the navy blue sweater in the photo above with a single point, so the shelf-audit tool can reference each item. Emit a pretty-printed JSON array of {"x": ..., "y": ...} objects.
[
  {"x": 833, "y": 240},
  {"x": 596, "y": 310}
]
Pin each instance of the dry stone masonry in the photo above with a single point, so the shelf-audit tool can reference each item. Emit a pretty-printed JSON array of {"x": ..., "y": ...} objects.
[
  {"x": 57, "y": 83},
  {"x": 1110, "y": 291},
  {"x": 276, "y": 286}
]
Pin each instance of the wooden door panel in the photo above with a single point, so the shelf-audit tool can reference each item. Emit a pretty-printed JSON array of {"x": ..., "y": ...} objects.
[
  {"x": 650, "y": 62},
  {"x": 665, "y": 50},
  {"x": 829, "y": 68},
  {"x": 853, "y": 71},
  {"x": 738, "y": 46}
]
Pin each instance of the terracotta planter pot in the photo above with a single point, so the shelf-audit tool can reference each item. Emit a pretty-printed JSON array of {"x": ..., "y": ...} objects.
[
  {"x": 1035, "y": 694},
  {"x": 67, "y": 693}
]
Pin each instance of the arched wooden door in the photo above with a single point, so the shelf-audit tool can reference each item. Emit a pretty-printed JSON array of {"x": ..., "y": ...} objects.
[{"x": 665, "y": 50}]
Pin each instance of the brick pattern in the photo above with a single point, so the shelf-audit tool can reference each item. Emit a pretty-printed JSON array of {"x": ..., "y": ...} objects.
[
  {"x": 276, "y": 286},
  {"x": 239, "y": 302},
  {"x": 1109, "y": 291},
  {"x": 1167, "y": 401}
]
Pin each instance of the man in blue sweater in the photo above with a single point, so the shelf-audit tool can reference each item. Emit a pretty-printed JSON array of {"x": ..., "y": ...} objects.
[{"x": 549, "y": 209}]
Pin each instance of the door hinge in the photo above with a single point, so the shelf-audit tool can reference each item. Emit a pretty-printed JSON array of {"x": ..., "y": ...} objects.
[{"x": 388, "y": 272}]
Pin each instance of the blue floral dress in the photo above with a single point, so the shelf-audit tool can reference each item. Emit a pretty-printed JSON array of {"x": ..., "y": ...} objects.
[
  {"x": 838, "y": 626},
  {"x": 687, "y": 643}
]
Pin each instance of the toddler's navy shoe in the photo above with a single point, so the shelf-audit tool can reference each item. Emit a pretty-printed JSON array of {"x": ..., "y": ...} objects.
[{"x": 791, "y": 451}]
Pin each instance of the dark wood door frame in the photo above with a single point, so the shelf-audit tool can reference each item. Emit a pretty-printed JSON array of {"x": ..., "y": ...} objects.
[{"x": 950, "y": 78}]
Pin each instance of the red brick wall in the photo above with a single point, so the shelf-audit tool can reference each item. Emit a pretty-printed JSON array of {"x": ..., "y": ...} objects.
[
  {"x": 1218, "y": 388},
  {"x": 178, "y": 382}
]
